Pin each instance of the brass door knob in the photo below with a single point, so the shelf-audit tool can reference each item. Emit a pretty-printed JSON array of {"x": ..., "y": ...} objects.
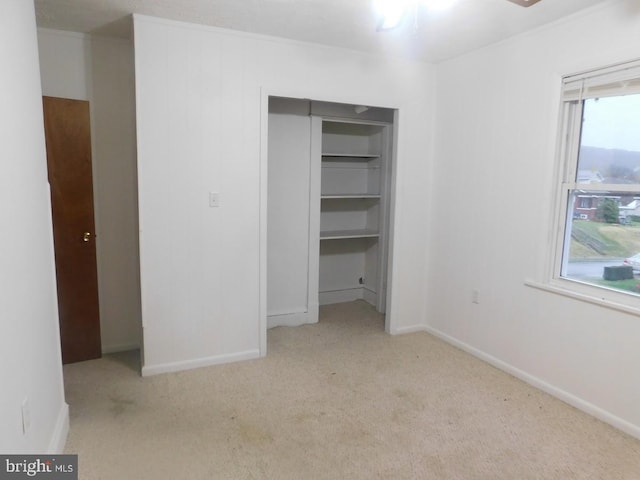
[{"x": 86, "y": 236}]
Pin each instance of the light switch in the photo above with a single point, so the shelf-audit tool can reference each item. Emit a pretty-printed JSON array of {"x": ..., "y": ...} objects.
[{"x": 214, "y": 199}]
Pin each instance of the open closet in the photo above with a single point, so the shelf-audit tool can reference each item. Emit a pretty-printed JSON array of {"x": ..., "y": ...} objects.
[{"x": 328, "y": 213}]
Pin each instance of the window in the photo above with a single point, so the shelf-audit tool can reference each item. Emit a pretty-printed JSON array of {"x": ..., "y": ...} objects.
[{"x": 599, "y": 188}]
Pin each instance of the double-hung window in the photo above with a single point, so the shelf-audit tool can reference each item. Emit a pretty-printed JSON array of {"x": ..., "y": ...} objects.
[{"x": 598, "y": 216}]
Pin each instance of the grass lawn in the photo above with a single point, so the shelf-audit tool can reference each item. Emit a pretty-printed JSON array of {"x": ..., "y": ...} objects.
[
  {"x": 631, "y": 285},
  {"x": 611, "y": 239}
]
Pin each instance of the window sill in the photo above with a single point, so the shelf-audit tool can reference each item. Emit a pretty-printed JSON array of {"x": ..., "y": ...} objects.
[{"x": 583, "y": 297}]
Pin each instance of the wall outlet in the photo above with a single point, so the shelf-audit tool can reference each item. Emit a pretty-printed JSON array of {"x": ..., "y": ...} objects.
[
  {"x": 214, "y": 199},
  {"x": 26, "y": 416},
  {"x": 475, "y": 296}
]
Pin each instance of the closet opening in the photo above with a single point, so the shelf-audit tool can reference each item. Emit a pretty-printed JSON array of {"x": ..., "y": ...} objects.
[{"x": 329, "y": 181}]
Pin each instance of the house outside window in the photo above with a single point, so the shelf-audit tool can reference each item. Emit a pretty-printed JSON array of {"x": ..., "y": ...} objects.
[{"x": 598, "y": 228}]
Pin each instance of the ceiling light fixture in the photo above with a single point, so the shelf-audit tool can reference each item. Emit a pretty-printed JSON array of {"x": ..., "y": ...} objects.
[{"x": 393, "y": 13}]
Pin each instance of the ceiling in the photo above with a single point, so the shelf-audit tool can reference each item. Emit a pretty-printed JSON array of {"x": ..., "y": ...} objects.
[{"x": 433, "y": 37}]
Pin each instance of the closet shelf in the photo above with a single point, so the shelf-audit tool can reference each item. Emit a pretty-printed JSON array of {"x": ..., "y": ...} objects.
[
  {"x": 345, "y": 234},
  {"x": 345, "y": 196},
  {"x": 351, "y": 156}
]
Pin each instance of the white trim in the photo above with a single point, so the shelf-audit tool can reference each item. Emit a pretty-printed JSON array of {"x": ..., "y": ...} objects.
[
  {"x": 290, "y": 319},
  {"x": 569, "y": 398},
  {"x": 123, "y": 347},
  {"x": 141, "y": 218},
  {"x": 263, "y": 185},
  {"x": 612, "y": 188},
  {"x": 341, "y": 296},
  {"x": 67, "y": 33},
  {"x": 409, "y": 329},
  {"x": 315, "y": 193},
  {"x": 85, "y": 36},
  {"x": 568, "y": 128},
  {"x": 584, "y": 297},
  {"x": 148, "y": 371},
  {"x": 613, "y": 73},
  {"x": 60, "y": 431},
  {"x": 304, "y": 93},
  {"x": 393, "y": 220},
  {"x": 371, "y": 297}
]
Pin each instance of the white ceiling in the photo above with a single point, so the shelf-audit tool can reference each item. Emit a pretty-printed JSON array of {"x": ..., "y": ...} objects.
[{"x": 351, "y": 24}]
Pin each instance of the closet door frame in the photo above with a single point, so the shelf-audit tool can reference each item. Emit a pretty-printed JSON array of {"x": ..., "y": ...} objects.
[{"x": 314, "y": 225}]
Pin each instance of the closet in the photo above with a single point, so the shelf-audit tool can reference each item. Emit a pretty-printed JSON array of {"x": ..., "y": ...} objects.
[
  {"x": 328, "y": 214},
  {"x": 354, "y": 211}
]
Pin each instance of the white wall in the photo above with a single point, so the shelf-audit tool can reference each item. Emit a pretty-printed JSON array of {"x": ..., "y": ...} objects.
[
  {"x": 199, "y": 103},
  {"x": 288, "y": 217},
  {"x": 495, "y": 130},
  {"x": 100, "y": 70},
  {"x": 30, "y": 360}
]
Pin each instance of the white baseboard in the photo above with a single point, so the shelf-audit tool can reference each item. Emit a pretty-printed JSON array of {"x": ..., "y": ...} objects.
[
  {"x": 369, "y": 296},
  {"x": 107, "y": 349},
  {"x": 149, "y": 370},
  {"x": 410, "y": 329},
  {"x": 340, "y": 296},
  {"x": 288, "y": 320},
  {"x": 60, "y": 431},
  {"x": 579, "y": 403}
]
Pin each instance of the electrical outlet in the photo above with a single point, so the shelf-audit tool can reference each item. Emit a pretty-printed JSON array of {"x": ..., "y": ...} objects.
[
  {"x": 475, "y": 296},
  {"x": 214, "y": 199},
  {"x": 26, "y": 416}
]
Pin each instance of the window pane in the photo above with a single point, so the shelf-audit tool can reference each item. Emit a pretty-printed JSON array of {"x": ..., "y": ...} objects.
[
  {"x": 610, "y": 141},
  {"x": 603, "y": 234}
]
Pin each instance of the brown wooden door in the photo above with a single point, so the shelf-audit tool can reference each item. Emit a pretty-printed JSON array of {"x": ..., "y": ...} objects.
[{"x": 68, "y": 136}]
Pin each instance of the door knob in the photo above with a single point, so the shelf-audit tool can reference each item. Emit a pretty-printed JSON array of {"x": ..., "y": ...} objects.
[{"x": 86, "y": 236}]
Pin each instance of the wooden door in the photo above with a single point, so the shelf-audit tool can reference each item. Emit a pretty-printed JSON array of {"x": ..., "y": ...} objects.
[{"x": 68, "y": 137}]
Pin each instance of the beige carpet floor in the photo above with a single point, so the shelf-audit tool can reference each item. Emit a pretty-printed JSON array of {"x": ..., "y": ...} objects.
[{"x": 336, "y": 400}]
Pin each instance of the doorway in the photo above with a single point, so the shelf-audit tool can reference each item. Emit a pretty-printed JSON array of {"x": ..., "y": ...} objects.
[
  {"x": 328, "y": 170},
  {"x": 68, "y": 143}
]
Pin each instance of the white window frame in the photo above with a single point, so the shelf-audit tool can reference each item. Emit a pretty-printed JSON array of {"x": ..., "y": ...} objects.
[{"x": 614, "y": 80}]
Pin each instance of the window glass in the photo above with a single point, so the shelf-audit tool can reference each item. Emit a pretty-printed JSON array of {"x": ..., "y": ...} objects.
[
  {"x": 602, "y": 236},
  {"x": 610, "y": 141}
]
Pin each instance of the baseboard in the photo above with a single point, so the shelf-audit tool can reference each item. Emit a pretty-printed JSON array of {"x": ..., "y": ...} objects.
[
  {"x": 340, "y": 296},
  {"x": 369, "y": 296},
  {"x": 148, "y": 371},
  {"x": 410, "y": 329},
  {"x": 107, "y": 349},
  {"x": 60, "y": 431},
  {"x": 579, "y": 403},
  {"x": 288, "y": 320}
]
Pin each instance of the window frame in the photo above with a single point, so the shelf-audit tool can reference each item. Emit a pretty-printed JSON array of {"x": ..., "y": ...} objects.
[{"x": 569, "y": 130}]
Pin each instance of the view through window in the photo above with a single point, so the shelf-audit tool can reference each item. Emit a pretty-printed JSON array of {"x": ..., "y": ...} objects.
[{"x": 602, "y": 236}]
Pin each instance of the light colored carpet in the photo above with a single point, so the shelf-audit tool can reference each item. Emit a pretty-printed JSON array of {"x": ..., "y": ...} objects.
[{"x": 336, "y": 400}]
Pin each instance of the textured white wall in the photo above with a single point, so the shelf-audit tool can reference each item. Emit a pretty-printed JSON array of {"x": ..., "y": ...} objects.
[
  {"x": 198, "y": 96},
  {"x": 100, "y": 70},
  {"x": 495, "y": 133},
  {"x": 288, "y": 216},
  {"x": 65, "y": 64},
  {"x": 30, "y": 361},
  {"x": 114, "y": 149}
]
